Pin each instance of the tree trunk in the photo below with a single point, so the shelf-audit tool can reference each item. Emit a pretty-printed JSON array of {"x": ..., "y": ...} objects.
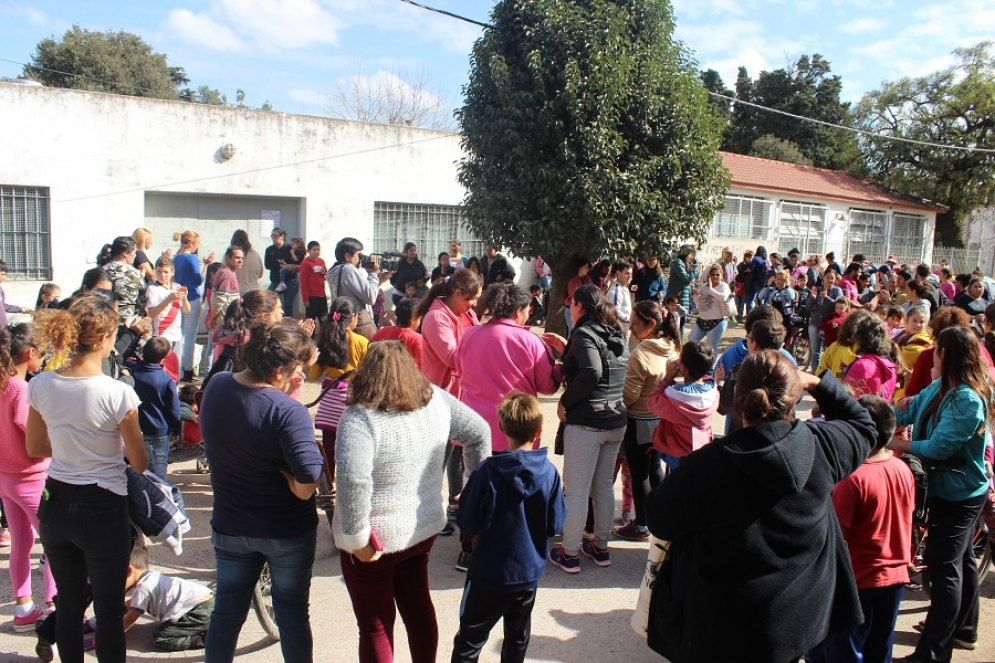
[{"x": 555, "y": 322}]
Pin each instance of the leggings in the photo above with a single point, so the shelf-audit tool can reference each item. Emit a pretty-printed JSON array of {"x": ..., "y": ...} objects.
[{"x": 21, "y": 498}]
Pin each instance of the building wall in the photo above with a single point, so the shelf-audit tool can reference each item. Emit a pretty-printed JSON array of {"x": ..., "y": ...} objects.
[{"x": 100, "y": 153}]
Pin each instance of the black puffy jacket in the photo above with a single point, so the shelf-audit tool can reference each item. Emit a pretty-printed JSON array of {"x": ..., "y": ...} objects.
[{"x": 594, "y": 365}]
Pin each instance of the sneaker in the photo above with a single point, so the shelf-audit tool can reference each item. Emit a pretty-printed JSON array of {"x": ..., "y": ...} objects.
[
  {"x": 451, "y": 512},
  {"x": 599, "y": 555},
  {"x": 463, "y": 561},
  {"x": 4, "y": 538},
  {"x": 30, "y": 622},
  {"x": 631, "y": 532},
  {"x": 447, "y": 530},
  {"x": 559, "y": 557},
  {"x": 969, "y": 645},
  {"x": 45, "y": 650},
  {"x": 280, "y": 287}
]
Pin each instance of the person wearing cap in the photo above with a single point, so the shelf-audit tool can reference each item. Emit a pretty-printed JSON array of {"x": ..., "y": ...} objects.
[{"x": 892, "y": 261}]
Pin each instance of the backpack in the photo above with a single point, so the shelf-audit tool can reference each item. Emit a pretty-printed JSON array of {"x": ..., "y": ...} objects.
[{"x": 921, "y": 478}]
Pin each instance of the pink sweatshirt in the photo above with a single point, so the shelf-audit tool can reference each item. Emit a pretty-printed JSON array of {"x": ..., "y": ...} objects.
[
  {"x": 441, "y": 331},
  {"x": 499, "y": 357},
  {"x": 685, "y": 418},
  {"x": 14, "y": 458},
  {"x": 870, "y": 374}
]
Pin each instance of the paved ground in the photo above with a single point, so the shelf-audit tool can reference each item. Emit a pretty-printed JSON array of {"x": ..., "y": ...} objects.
[{"x": 577, "y": 618}]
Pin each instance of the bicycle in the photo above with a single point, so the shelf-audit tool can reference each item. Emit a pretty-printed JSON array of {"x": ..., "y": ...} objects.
[
  {"x": 262, "y": 603},
  {"x": 797, "y": 342}
]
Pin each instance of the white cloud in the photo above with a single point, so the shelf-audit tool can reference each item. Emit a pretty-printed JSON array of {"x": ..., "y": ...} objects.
[
  {"x": 862, "y": 26},
  {"x": 26, "y": 12},
  {"x": 204, "y": 31},
  {"x": 269, "y": 25},
  {"x": 307, "y": 96}
]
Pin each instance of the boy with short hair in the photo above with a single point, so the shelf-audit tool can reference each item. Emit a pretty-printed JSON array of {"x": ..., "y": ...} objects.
[
  {"x": 512, "y": 503},
  {"x": 313, "y": 271},
  {"x": 685, "y": 410},
  {"x": 874, "y": 507},
  {"x": 183, "y": 607},
  {"x": 407, "y": 322},
  {"x": 159, "y": 411},
  {"x": 411, "y": 292}
]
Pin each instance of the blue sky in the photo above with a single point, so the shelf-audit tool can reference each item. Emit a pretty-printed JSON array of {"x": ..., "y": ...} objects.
[{"x": 294, "y": 52}]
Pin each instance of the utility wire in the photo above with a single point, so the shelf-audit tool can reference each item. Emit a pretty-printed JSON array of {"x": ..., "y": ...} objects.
[
  {"x": 449, "y": 14},
  {"x": 869, "y": 134},
  {"x": 254, "y": 170},
  {"x": 113, "y": 83}
]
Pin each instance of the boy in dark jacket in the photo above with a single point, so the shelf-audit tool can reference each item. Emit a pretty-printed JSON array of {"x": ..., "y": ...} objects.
[
  {"x": 159, "y": 411},
  {"x": 513, "y": 503}
]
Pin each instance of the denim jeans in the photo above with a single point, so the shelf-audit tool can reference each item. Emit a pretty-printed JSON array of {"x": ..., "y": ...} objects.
[
  {"x": 240, "y": 560},
  {"x": 741, "y": 305},
  {"x": 569, "y": 320},
  {"x": 714, "y": 336},
  {"x": 288, "y": 298},
  {"x": 191, "y": 321},
  {"x": 86, "y": 533},
  {"x": 814, "y": 342},
  {"x": 158, "y": 448},
  {"x": 588, "y": 468},
  {"x": 870, "y": 642}
]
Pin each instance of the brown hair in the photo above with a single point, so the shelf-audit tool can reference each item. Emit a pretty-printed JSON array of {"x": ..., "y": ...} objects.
[
  {"x": 14, "y": 340},
  {"x": 277, "y": 347},
  {"x": 80, "y": 329},
  {"x": 666, "y": 327},
  {"x": 139, "y": 558},
  {"x": 388, "y": 380},
  {"x": 595, "y": 306},
  {"x": 463, "y": 281},
  {"x": 962, "y": 365},
  {"x": 949, "y": 316},
  {"x": 164, "y": 261},
  {"x": 520, "y": 417},
  {"x": 766, "y": 388},
  {"x": 186, "y": 238}
]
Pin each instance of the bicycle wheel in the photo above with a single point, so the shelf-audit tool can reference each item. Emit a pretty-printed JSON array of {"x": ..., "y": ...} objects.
[
  {"x": 262, "y": 602},
  {"x": 982, "y": 551},
  {"x": 801, "y": 349},
  {"x": 326, "y": 498}
]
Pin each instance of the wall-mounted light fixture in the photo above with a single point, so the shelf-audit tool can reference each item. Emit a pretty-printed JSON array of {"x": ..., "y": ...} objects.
[{"x": 228, "y": 150}]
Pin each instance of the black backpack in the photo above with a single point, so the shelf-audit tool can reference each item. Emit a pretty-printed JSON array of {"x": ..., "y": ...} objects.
[{"x": 921, "y": 477}]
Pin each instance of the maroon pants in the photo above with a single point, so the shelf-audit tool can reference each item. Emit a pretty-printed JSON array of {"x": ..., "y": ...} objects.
[{"x": 399, "y": 579}]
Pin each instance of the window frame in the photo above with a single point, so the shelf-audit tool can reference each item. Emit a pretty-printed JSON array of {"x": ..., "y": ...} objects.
[
  {"x": 418, "y": 223},
  {"x": 26, "y": 242}
]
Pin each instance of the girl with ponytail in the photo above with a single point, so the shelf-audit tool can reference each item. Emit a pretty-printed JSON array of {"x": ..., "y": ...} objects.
[
  {"x": 87, "y": 423},
  {"x": 340, "y": 348},
  {"x": 22, "y": 477},
  {"x": 758, "y": 505}
]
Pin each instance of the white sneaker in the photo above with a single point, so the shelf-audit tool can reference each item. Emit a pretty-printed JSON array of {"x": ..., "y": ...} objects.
[{"x": 280, "y": 287}]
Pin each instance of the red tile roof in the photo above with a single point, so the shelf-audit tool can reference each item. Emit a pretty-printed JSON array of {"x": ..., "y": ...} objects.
[{"x": 788, "y": 178}]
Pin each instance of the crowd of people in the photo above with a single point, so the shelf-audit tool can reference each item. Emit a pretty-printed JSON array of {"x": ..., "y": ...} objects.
[{"x": 788, "y": 539}]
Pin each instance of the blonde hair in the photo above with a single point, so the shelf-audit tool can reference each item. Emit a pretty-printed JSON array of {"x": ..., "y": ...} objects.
[
  {"x": 140, "y": 235},
  {"x": 186, "y": 238},
  {"x": 520, "y": 417}
]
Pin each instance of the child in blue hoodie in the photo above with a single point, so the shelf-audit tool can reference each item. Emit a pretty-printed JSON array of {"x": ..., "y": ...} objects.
[{"x": 513, "y": 503}]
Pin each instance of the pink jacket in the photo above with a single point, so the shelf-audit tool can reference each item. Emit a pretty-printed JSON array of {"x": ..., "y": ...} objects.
[
  {"x": 871, "y": 374},
  {"x": 499, "y": 357},
  {"x": 441, "y": 331},
  {"x": 14, "y": 458},
  {"x": 685, "y": 418}
]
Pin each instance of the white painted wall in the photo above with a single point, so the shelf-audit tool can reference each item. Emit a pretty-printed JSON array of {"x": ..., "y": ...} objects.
[{"x": 100, "y": 153}]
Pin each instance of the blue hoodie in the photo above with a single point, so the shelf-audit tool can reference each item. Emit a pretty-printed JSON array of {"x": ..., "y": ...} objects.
[{"x": 513, "y": 502}]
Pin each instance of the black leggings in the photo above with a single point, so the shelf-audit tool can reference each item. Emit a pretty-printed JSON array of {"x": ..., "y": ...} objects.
[
  {"x": 644, "y": 466},
  {"x": 86, "y": 534}
]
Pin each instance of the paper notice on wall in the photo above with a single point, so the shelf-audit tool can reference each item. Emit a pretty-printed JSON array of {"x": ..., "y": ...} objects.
[{"x": 270, "y": 220}]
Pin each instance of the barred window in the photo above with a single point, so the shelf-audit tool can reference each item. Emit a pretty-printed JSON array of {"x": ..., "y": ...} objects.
[
  {"x": 803, "y": 226},
  {"x": 743, "y": 218},
  {"x": 867, "y": 226},
  {"x": 24, "y": 232},
  {"x": 908, "y": 229},
  {"x": 430, "y": 227}
]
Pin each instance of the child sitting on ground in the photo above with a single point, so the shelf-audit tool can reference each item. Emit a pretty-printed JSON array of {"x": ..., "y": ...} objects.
[
  {"x": 183, "y": 607},
  {"x": 513, "y": 503},
  {"x": 685, "y": 410}
]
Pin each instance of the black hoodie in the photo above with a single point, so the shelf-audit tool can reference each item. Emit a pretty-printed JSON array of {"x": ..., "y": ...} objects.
[
  {"x": 758, "y": 568},
  {"x": 594, "y": 365}
]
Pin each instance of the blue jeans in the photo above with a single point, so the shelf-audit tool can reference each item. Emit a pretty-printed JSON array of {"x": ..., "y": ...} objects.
[
  {"x": 741, "y": 305},
  {"x": 814, "y": 342},
  {"x": 191, "y": 321},
  {"x": 714, "y": 336},
  {"x": 158, "y": 448},
  {"x": 240, "y": 560},
  {"x": 288, "y": 298},
  {"x": 569, "y": 319},
  {"x": 869, "y": 642}
]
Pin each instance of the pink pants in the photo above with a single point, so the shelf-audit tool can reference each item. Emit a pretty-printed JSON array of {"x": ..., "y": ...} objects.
[
  {"x": 20, "y": 505},
  {"x": 623, "y": 465}
]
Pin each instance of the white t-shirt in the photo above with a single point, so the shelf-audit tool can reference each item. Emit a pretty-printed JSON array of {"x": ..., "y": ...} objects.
[
  {"x": 166, "y": 598},
  {"x": 167, "y": 324},
  {"x": 618, "y": 295},
  {"x": 83, "y": 415}
]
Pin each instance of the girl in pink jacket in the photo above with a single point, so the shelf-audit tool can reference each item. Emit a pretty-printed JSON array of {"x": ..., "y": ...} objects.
[
  {"x": 446, "y": 312},
  {"x": 503, "y": 356},
  {"x": 685, "y": 410}
]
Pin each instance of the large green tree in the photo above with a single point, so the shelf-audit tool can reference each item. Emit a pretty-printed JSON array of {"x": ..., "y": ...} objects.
[
  {"x": 587, "y": 131},
  {"x": 805, "y": 88},
  {"x": 115, "y": 62},
  {"x": 955, "y": 107}
]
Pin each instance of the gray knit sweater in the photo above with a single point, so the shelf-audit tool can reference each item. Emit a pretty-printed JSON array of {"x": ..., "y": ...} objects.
[{"x": 388, "y": 470}]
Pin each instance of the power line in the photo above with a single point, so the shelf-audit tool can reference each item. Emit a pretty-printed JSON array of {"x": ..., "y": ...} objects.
[
  {"x": 254, "y": 170},
  {"x": 449, "y": 14},
  {"x": 100, "y": 80},
  {"x": 864, "y": 132}
]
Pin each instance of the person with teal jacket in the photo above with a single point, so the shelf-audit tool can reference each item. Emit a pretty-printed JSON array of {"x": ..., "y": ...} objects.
[{"x": 950, "y": 420}]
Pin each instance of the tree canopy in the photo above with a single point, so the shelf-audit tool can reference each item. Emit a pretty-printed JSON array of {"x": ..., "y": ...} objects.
[
  {"x": 587, "y": 131},
  {"x": 955, "y": 106},
  {"x": 803, "y": 88}
]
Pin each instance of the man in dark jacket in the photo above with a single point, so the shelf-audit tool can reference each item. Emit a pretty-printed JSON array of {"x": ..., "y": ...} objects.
[
  {"x": 513, "y": 503},
  {"x": 496, "y": 267},
  {"x": 758, "y": 569}
]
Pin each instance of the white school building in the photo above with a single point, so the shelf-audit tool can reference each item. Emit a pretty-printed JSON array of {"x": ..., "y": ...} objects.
[{"x": 80, "y": 168}]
